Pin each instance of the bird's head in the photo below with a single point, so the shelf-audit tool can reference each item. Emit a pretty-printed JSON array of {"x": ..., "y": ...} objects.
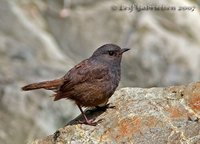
[{"x": 109, "y": 53}]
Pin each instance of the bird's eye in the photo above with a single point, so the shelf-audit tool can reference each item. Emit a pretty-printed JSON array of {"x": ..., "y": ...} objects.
[{"x": 111, "y": 53}]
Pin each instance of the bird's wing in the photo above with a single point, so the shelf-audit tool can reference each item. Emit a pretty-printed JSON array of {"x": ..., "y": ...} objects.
[{"x": 86, "y": 71}]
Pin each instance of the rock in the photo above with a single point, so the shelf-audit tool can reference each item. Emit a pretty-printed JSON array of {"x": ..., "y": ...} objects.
[
  {"x": 28, "y": 53},
  {"x": 144, "y": 116},
  {"x": 165, "y": 47},
  {"x": 37, "y": 44}
]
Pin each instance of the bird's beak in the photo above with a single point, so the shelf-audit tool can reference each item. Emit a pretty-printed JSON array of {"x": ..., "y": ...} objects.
[{"x": 124, "y": 50}]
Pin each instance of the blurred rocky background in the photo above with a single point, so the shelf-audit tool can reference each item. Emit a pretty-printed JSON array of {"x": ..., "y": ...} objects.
[{"x": 43, "y": 39}]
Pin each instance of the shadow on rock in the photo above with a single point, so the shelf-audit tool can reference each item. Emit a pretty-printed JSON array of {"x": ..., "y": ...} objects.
[{"x": 91, "y": 113}]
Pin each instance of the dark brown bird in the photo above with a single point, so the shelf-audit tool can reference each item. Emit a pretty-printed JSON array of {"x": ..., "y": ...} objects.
[{"x": 91, "y": 82}]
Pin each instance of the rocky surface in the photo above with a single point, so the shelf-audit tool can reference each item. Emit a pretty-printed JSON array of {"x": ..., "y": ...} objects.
[
  {"x": 36, "y": 44},
  {"x": 28, "y": 53},
  {"x": 165, "y": 44},
  {"x": 141, "y": 116}
]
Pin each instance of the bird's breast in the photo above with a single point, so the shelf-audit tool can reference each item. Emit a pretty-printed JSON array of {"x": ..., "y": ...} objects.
[{"x": 110, "y": 82}]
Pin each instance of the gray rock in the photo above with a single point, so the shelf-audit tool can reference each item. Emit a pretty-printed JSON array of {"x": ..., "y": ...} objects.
[
  {"x": 28, "y": 53},
  {"x": 165, "y": 47},
  {"x": 37, "y": 44},
  {"x": 144, "y": 116}
]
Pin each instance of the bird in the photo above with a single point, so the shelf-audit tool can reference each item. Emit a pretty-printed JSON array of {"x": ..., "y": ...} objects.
[{"x": 91, "y": 82}]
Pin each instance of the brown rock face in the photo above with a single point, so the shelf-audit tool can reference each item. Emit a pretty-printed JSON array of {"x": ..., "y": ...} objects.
[{"x": 144, "y": 116}]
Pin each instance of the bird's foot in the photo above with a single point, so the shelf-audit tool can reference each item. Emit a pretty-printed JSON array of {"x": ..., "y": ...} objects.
[
  {"x": 89, "y": 122},
  {"x": 104, "y": 108}
]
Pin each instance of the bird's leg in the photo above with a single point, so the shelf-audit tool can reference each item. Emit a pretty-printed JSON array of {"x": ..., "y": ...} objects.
[{"x": 88, "y": 122}]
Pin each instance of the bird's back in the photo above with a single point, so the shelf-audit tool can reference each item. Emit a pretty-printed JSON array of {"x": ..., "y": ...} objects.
[{"x": 89, "y": 83}]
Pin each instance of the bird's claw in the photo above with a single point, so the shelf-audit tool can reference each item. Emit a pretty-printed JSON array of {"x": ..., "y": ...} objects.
[
  {"x": 89, "y": 122},
  {"x": 104, "y": 108}
]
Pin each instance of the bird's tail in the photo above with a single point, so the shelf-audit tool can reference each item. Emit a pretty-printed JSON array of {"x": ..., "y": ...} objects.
[{"x": 49, "y": 85}]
